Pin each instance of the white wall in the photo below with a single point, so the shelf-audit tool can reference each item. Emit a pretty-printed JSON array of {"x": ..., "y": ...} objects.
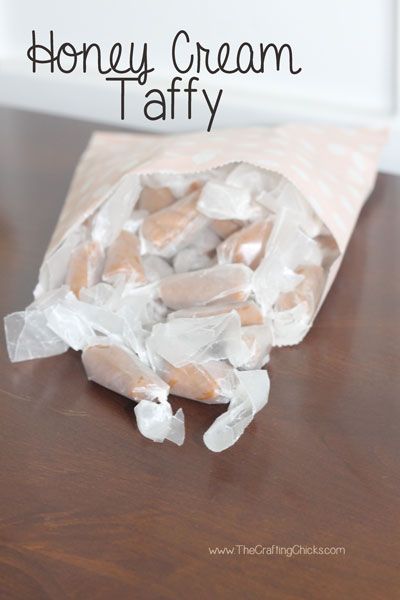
[{"x": 347, "y": 50}]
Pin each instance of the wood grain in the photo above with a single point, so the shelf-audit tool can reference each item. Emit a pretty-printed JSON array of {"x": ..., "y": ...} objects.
[{"x": 89, "y": 508}]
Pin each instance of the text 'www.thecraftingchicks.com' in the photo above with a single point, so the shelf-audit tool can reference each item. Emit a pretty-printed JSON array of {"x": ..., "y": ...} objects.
[{"x": 126, "y": 65}]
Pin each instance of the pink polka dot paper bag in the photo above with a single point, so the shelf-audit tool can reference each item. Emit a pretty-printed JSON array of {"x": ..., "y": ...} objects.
[{"x": 334, "y": 168}]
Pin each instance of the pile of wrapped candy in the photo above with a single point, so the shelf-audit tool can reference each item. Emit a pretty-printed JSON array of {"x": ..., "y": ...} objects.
[{"x": 182, "y": 284}]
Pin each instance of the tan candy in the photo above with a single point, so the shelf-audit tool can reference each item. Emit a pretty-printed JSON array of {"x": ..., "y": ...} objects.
[
  {"x": 123, "y": 260},
  {"x": 154, "y": 199},
  {"x": 247, "y": 245},
  {"x": 309, "y": 290},
  {"x": 123, "y": 373},
  {"x": 84, "y": 266},
  {"x": 165, "y": 227},
  {"x": 202, "y": 382},
  {"x": 225, "y": 227},
  {"x": 249, "y": 312},
  {"x": 191, "y": 381},
  {"x": 219, "y": 284},
  {"x": 195, "y": 186}
]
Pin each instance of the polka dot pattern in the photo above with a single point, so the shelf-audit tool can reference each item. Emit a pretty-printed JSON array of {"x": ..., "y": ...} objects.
[{"x": 333, "y": 167}]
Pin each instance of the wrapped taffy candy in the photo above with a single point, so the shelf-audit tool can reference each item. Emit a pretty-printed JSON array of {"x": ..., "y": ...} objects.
[
  {"x": 294, "y": 310},
  {"x": 247, "y": 245},
  {"x": 179, "y": 263},
  {"x": 184, "y": 341},
  {"x": 124, "y": 261},
  {"x": 76, "y": 322},
  {"x": 119, "y": 370},
  {"x": 249, "y": 312},
  {"x": 27, "y": 332},
  {"x": 225, "y": 227},
  {"x": 155, "y": 199},
  {"x": 283, "y": 194},
  {"x": 211, "y": 382},
  {"x": 219, "y": 284},
  {"x": 288, "y": 247},
  {"x": 250, "y": 396},
  {"x": 258, "y": 340},
  {"x": 84, "y": 269},
  {"x": 219, "y": 200},
  {"x": 107, "y": 221},
  {"x": 199, "y": 254},
  {"x": 164, "y": 231}
]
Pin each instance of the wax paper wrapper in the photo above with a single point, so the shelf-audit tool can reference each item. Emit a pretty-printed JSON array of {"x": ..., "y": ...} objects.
[{"x": 178, "y": 263}]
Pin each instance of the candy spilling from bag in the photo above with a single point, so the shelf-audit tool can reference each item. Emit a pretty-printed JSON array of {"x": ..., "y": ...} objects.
[{"x": 182, "y": 283}]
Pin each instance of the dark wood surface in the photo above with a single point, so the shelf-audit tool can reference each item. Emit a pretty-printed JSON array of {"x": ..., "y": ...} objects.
[{"x": 91, "y": 509}]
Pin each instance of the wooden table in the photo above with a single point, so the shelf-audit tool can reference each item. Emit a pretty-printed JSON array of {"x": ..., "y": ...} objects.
[{"x": 91, "y": 509}]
